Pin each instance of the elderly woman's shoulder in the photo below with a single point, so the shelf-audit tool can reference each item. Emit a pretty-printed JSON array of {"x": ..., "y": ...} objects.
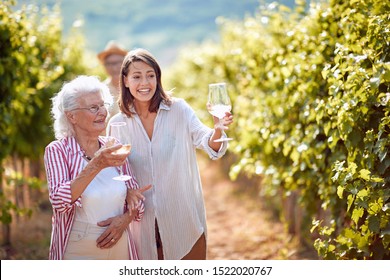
[{"x": 59, "y": 143}]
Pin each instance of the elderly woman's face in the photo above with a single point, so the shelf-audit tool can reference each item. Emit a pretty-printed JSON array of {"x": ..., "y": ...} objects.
[{"x": 91, "y": 114}]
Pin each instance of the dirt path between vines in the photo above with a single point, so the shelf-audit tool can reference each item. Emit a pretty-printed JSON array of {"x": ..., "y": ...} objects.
[{"x": 239, "y": 227}]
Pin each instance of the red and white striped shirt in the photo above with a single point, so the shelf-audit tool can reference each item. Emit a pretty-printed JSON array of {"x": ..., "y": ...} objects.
[{"x": 63, "y": 162}]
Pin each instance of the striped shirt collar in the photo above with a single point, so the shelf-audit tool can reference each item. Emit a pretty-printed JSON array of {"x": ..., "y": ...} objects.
[{"x": 75, "y": 147}]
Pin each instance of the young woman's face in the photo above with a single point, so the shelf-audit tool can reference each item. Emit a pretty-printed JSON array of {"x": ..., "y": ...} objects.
[{"x": 141, "y": 81}]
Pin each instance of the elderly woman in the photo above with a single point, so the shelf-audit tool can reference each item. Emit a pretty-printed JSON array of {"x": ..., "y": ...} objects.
[{"x": 90, "y": 215}]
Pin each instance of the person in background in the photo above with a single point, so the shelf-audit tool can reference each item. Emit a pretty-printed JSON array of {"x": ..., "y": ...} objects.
[
  {"x": 111, "y": 58},
  {"x": 80, "y": 165},
  {"x": 165, "y": 134}
]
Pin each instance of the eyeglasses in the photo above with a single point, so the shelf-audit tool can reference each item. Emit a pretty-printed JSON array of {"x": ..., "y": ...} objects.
[{"x": 94, "y": 108}]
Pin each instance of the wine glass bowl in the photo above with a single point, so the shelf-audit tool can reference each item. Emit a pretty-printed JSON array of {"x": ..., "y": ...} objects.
[
  {"x": 219, "y": 104},
  {"x": 125, "y": 149},
  {"x": 119, "y": 132}
]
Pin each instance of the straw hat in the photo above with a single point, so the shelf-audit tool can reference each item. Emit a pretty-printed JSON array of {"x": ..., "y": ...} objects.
[{"x": 111, "y": 48}]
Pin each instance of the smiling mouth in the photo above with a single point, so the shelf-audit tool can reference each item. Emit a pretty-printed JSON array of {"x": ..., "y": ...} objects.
[{"x": 144, "y": 91}]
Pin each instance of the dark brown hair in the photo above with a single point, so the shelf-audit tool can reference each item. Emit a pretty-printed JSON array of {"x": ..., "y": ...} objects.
[{"x": 126, "y": 99}]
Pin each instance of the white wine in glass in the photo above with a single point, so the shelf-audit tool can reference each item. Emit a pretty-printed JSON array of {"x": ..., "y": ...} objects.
[
  {"x": 219, "y": 104},
  {"x": 118, "y": 131}
]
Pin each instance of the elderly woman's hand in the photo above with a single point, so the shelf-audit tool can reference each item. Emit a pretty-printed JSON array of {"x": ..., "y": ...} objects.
[
  {"x": 115, "y": 228},
  {"x": 134, "y": 197},
  {"x": 106, "y": 156},
  {"x": 118, "y": 224}
]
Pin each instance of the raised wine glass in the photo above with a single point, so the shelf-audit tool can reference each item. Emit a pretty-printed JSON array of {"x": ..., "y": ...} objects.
[
  {"x": 219, "y": 104},
  {"x": 118, "y": 131}
]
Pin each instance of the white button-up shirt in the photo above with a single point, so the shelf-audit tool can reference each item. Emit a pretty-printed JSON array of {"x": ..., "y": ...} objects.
[{"x": 168, "y": 162}]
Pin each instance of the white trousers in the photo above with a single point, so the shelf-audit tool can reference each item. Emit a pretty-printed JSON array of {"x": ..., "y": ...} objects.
[{"x": 82, "y": 244}]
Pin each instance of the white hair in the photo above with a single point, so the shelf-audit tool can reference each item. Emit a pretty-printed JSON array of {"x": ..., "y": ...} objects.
[{"x": 66, "y": 100}]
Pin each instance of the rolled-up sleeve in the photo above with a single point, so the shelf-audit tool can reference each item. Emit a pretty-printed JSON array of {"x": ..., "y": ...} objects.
[
  {"x": 141, "y": 211},
  {"x": 133, "y": 185},
  {"x": 213, "y": 154}
]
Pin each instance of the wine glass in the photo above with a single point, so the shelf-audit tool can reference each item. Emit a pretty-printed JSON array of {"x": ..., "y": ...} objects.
[
  {"x": 118, "y": 130},
  {"x": 219, "y": 104}
]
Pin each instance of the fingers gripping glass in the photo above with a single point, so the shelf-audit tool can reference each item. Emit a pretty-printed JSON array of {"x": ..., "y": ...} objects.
[
  {"x": 118, "y": 131},
  {"x": 94, "y": 108},
  {"x": 219, "y": 105}
]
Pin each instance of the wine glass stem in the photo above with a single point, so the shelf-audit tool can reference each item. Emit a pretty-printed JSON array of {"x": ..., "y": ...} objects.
[{"x": 221, "y": 126}]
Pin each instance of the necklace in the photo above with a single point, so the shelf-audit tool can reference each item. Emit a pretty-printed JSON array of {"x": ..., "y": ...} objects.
[{"x": 88, "y": 158}]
